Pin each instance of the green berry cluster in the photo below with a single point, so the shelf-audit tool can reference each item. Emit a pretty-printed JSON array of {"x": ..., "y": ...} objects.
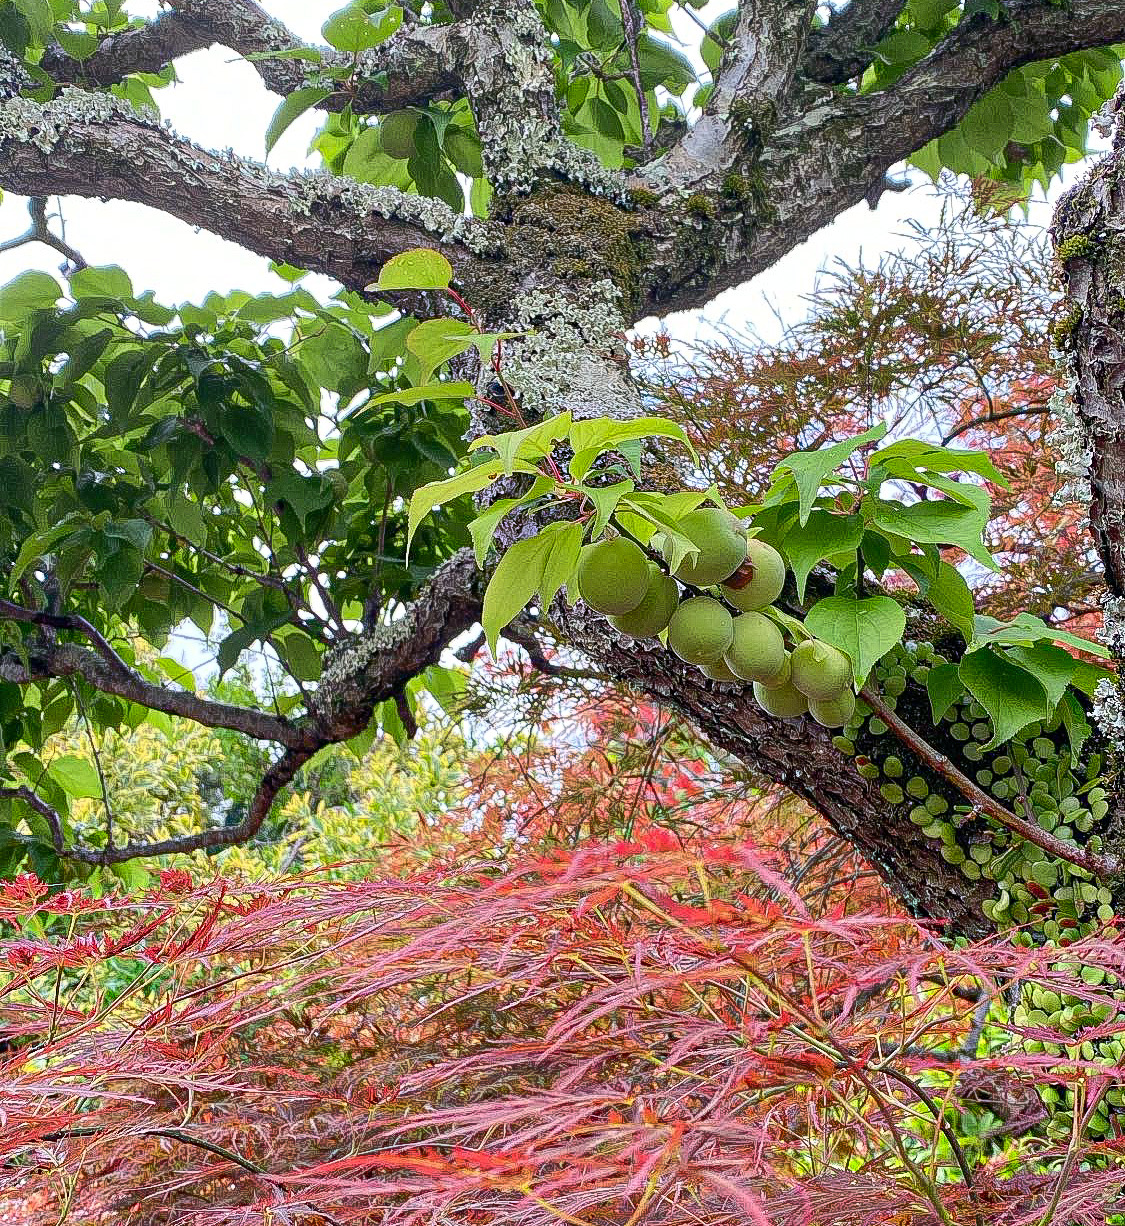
[{"x": 1051, "y": 901}]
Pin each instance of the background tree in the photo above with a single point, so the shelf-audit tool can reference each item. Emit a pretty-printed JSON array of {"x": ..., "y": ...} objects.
[{"x": 166, "y": 465}]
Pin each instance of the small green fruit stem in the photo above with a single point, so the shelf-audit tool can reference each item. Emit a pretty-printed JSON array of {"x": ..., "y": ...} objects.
[{"x": 1100, "y": 866}]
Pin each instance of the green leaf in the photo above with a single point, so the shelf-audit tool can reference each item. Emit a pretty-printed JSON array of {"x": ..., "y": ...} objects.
[
  {"x": 809, "y": 468},
  {"x": 419, "y": 268},
  {"x": 119, "y": 575},
  {"x": 944, "y": 686},
  {"x": 30, "y": 291},
  {"x": 561, "y": 562},
  {"x": 1075, "y": 722},
  {"x": 427, "y": 391},
  {"x": 1010, "y": 694},
  {"x": 823, "y": 535},
  {"x": 38, "y": 544},
  {"x": 944, "y": 522},
  {"x": 302, "y": 655},
  {"x": 248, "y": 429},
  {"x": 107, "y": 281},
  {"x": 1052, "y": 667},
  {"x": 910, "y": 455},
  {"x": 1026, "y": 628},
  {"x": 435, "y": 341},
  {"x": 593, "y": 436},
  {"x": 353, "y": 30},
  {"x": 945, "y": 588},
  {"x": 605, "y": 499},
  {"x": 532, "y": 443},
  {"x": 483, "y": 528},
  {"x": 77, "y": 777},
  {"x": 292, "y": 107},
  {"x": 863, "y": 629},
  {"x": 436, "y": 493},
  {"x": 304, "y": 494},
  {"x": 516, "y": 579}
]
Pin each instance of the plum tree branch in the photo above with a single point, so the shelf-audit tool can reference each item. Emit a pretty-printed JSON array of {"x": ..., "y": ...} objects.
[
  {"x": 820, "y": 153},
  {"x": 841, "y": 50},
  {"x": 412, "y": 67},
  {"x": 359, "y": 673},
  {"x": 88, "y": 144}
]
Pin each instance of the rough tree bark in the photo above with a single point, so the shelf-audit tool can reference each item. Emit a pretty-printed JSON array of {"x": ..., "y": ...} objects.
[{"x": 580, "y": 254}]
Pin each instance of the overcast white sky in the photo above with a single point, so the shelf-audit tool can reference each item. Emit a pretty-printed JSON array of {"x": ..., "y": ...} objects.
[{"x": 221, "y": 103}]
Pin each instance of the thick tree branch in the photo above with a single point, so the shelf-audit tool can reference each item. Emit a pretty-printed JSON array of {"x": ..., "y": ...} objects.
[
  {"x": 841, "y": 50},
  {"x": 70, "y": 660},
  {"x": 754, "y": 81},
  {"x": 96, "y": 145},
  {"x": 817, "y": 160},
  {"x": 799, "y": 755},
  {"x": 147, "y": 48},
  {"x": 359, "y": 674},
  {"x": 412, "y": 67},
  {"x": 1088, "y": 228}
]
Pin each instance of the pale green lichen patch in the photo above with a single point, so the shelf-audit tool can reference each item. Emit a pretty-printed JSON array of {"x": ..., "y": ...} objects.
[
  {"x": 508, "y": 64},
  {"x": 49, "y": 125},
  {"x": 572, "y": 357}
]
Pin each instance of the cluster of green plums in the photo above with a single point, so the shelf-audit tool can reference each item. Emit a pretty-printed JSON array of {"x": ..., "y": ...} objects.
[{"x": 642, "y": 600}]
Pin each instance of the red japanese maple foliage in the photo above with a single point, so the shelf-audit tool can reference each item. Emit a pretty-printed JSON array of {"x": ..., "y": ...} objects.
[{"x": 632, "y": 1031}]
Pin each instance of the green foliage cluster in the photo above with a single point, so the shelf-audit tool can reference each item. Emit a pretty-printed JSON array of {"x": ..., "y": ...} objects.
[{"x": 164, "y": 466}]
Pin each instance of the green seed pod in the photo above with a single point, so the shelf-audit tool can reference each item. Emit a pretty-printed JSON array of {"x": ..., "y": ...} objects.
[
  {"x": 971, "y": 870},
  {"x": 613, "y": 576},
  {"x": 868, "y": 770},
  {"x": 833, "y": 712},
  {"x": 919, "y": 816},
  {"x": 934, "y": 829},
  {"x": 819, "y": 670},
  {"x": 984, "y": 777},
  {"x": 757, "y": 650},
  {"x": 655, "y": 610},
  {"x": 937, "y": 804},
  {"x": 783, "y": 701},
  {"x": 722, "y": 546},
  {"x": 700, "y": 630},
  {"x": 981, "y": 852},
  {"x": 767, "y": 579},
  {"x": 893, "y": 687},
  {"x": 953, "y": 855},
  {"x": 981, "y": 731},
  {"x": 892, "y": 793},
  {"x": 1042, "y": 748},
  {"x": 1001, "y": 765},
  {"x": 892, "y": 767},
  {"x": 959, "y": 731},
  {"x": 975, "y": 710},
  {"x": 719, "y": 672},
  {"x": 917, "y": 787},
  {"x": 972, "y": 752},
  {"x": 843, "y": 745},
  {"x": 877, "y": 728},
  {"x": 1000, "y": 789}
]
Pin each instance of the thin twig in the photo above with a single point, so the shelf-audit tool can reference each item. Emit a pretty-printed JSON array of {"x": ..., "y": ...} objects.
[
  {"x": 1100, "y": 866},
  {"x": 40, "y": 232}
]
